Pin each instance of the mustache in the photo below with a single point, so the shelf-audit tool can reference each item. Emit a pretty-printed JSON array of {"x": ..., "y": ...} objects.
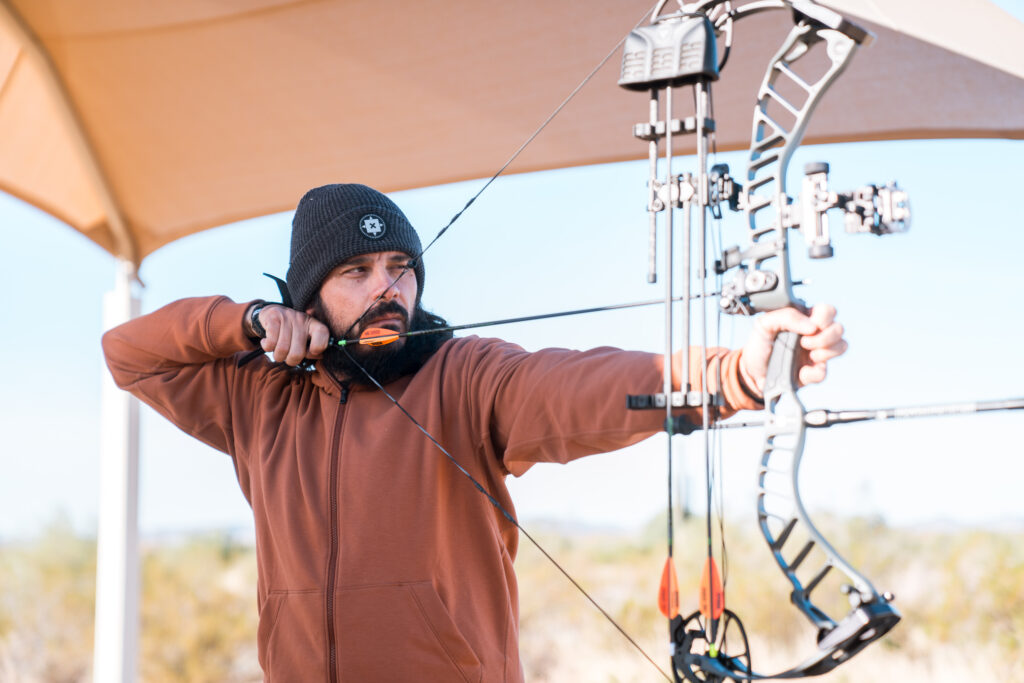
[
  {"x": 388, "y": 363},
  {"x": 384, "y": 309}
]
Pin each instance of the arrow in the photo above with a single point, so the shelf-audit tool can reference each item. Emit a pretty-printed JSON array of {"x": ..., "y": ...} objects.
[{"x": 376, "y": 336}]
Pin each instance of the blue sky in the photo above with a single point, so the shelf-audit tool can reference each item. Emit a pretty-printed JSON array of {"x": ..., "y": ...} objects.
[{"x": 931, "y": 315}]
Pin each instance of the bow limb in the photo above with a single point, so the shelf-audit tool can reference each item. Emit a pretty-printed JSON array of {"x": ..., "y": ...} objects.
[
  {"x": 791, "y": 536},
  {"x": 783, "y": 518}
]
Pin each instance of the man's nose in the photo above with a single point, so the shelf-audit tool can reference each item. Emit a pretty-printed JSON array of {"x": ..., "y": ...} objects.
[{"x": 383, "y": 284}]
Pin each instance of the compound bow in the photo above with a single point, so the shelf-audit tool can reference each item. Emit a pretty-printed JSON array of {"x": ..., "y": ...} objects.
[{"x": 680, "y": 49}]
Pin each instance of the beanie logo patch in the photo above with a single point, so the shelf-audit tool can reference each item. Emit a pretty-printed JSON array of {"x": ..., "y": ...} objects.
[{"x": 372, "y": 226}]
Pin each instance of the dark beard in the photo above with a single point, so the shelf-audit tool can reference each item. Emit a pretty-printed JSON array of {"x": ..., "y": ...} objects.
[{"x": 383, "y": 363}]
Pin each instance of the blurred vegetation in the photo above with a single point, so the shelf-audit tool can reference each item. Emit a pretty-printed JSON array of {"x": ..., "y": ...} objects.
[
  {"x": 197, "y": 610},
  {"x": 961, "y": 593},
  {"x": 47, "y": 605}
]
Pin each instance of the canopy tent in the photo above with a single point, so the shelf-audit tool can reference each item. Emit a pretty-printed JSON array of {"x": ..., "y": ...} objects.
[{"x": 137, "y": 124}]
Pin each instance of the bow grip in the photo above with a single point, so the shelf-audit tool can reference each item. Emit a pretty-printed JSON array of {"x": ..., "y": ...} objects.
[{"x": 781, "y": 377}]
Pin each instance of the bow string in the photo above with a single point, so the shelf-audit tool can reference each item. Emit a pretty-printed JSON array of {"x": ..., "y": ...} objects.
[
  {"x": 343, "y": 343},
  {"x": 680, "y": 50}
]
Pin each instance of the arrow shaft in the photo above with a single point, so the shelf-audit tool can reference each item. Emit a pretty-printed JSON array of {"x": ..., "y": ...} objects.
[{"x": 521, "y": 319}]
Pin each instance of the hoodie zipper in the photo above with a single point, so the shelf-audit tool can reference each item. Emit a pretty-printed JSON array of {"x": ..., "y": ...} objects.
[{"x": 332, "y": 559}]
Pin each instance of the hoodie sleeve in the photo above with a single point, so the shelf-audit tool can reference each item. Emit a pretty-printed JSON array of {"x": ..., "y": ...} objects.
[
  {"x": 179, "y": 360},
  {"x": 557, "y": 405}
]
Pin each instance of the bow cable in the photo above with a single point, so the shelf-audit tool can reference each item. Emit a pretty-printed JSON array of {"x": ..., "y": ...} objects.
[
  {"x": 410, "y": 265},
  {"x": 376, "y": 336}
]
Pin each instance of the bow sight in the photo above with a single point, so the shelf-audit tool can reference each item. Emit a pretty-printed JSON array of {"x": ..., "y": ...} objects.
[{"x": 681, "y": 50}]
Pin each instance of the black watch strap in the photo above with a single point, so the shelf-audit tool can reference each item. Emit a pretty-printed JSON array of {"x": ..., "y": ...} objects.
[{"x": 254, "y": 320}]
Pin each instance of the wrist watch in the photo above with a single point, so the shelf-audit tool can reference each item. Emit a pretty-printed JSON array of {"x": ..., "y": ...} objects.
[{"x": 254, "y": 320}]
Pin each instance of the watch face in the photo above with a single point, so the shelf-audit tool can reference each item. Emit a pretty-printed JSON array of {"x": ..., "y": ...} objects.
[{"x": 254, "y": 321}]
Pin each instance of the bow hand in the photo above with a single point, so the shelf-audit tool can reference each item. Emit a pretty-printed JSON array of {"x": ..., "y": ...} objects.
[{"x": 821, "y": 339}]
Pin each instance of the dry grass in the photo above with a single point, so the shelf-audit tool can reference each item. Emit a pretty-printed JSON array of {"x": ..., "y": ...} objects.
[
  {"x": 198, "y": 611},
  {"x": 961, "y": 594}
]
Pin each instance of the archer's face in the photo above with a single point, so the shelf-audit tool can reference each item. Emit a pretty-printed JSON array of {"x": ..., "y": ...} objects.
[{"x": 354, "y": 286}]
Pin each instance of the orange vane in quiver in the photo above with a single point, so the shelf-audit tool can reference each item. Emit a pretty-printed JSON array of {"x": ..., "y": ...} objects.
[
  {"x": 377, "y": 336},
  {"x": 668, "y": 592},
  {"x": 712, "y": 597}
]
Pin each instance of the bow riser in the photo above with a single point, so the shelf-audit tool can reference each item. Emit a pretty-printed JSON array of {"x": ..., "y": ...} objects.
[{"x": 764, "y": 281}]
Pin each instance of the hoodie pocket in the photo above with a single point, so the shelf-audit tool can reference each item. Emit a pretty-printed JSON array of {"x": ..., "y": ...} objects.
[
  {"x": 400, "y": 632},
  {"x": 291, "y": 636}
]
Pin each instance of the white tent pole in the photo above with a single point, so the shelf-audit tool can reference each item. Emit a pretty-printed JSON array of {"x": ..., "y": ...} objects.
[
  {"x": 117, "y": 564},
  {"x": 117, "y": 549}
]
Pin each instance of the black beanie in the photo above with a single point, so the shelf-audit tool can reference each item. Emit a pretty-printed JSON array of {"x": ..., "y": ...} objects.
[{"x": 333, "y": 223}]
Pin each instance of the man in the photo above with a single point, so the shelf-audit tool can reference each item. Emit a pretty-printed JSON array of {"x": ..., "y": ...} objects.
[{"x": 378, "y": 560}]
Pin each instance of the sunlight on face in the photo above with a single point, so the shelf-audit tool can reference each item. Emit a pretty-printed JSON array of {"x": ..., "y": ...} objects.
[{"x": 379, "y": 281}]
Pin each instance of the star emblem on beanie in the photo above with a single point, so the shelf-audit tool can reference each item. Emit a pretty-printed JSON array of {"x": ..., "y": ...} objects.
[{"x": 372, "y": 226}]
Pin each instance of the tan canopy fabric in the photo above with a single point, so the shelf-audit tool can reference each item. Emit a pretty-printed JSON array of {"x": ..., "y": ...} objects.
[{"x": 141, "y": 122}]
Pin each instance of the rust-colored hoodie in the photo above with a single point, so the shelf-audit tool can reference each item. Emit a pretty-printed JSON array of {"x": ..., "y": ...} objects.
[{"x": 378, "y": 560}]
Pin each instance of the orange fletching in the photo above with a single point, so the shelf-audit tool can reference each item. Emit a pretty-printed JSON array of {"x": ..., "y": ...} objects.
[
  {"x": 668, "y": 592},
  {"x": 377, "y": 336},
  {"x": 712, "y": 597}
]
